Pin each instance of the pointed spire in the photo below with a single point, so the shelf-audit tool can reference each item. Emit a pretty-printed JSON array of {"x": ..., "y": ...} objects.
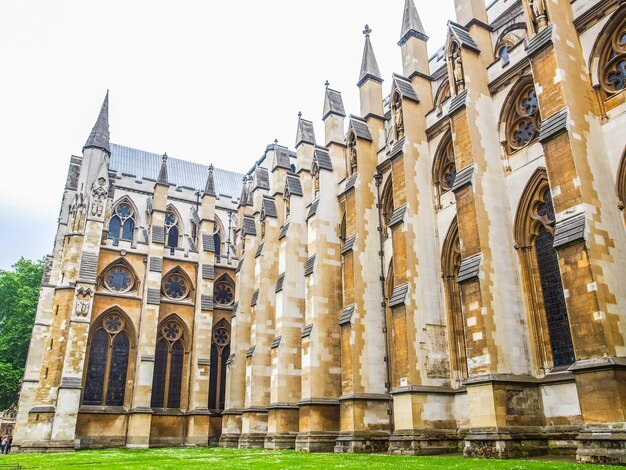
[
  {"x": 246, "y": 198},
  {"x": 411, "y": 24},
  {"x": 369, "y": 66},
  {"x": 162, "y": 179},
  {"x": 209, "y": 188},
  {"x": 99, "y": 137},
  {"x": 306, "y": 132}
]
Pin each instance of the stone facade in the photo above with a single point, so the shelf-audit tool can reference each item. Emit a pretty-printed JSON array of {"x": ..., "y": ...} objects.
[{"x": 442, "y": 277}]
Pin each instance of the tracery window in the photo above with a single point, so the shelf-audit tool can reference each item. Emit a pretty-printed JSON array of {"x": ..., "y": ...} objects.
[
  {"x": 535, "y": 238},
  {"x": 171, "y": 229},
  {"x": 613, "y": 62},
  {"x": 119, "y": 278},
  {"x": 175, "y": 285},
  {"x": 122, "y": 223},
  {"x": 169, "y": 362},
  {"x": 444, "y": 168},
  {"x": 107, "y": 365},
  {"x": 523, "y": 120},
  {"x": 220, "y": 350},
  {"x": 224, "y": 291},
  {"x": 451, "y": 262}
]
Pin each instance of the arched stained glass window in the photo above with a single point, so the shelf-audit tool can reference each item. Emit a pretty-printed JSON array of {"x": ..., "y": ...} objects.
[
  {"x": 523, "y": 120},
  {"x": 224, "y": 291},
  {"x": 169, "y": 364},
  {"x": 118, "y": 278},
  {"x": 176, "y": 375},
  {"x": 220, "y": 350},
  {"x": 107, "y": 367},
  {"x": 171, "y": 228},
  {"x": 552, "y": 289},
  {"x": 175, "y": 285},
  {"x": 534, "y": 237},
  {"x": 122, "y": 223},
  {"x": 613, "y": 61},
  {"x": 117, "y": 374}
]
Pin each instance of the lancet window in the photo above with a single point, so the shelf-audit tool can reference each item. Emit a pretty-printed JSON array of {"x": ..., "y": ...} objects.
[
  {"x": 167, "y": 381},
  {"x": 535, "y": 239},
  {"x": 122, "y": 223},
  {"x": 220, "y": 350},
  {"x": 171, "y": 229},
  {"x": 107, "y": 364}
]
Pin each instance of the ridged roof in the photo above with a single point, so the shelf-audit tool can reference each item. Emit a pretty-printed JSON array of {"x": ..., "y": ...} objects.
[{"x": 126, "y": 161}]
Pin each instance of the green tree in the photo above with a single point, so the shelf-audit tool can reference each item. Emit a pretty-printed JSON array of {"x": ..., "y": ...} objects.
[{"x": 19, "y": 294}]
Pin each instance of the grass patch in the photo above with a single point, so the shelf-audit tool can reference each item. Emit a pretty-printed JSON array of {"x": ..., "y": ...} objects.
[{"x": 179, "y": 458}]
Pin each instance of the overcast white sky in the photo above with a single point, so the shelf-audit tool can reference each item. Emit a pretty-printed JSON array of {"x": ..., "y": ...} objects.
[{"x": 207, "y": 81}]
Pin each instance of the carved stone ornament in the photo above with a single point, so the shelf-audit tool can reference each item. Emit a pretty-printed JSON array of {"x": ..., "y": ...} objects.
[
  {"x": 77, "y": 211},
  {"x": 83, "y": 301},
  {"x": 287, "y": 200},
  {"x": 352, "y": 154},
  {"x": 398, "y": 115},
  {"x": 99, "y": 194},
  {"x": 539, "y": 13},
  {"x": 457, "y": 68},
  {"x": 316, "y": 184}
]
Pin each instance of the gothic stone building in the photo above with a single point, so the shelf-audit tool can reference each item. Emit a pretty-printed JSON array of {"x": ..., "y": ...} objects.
[{"x": 441, "y": 272}]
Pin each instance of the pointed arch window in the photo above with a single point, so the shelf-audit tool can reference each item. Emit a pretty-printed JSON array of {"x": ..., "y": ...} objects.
[
  {"x": 220, "y": 350},
  {"x": 169, "y": 363},
  {"x": 613, "y": 59},
  {"x": 122, "y": 223},
  {"x": 451, "y": 262},
  {"x": 224, "y": 291},
  {"x": 171, "y": 229},
  {"x": 107, "y": 363},
  {"x": 444, "y": 167},
  {"x": 119, "y": 278},
  {"x": 175, "y": 285},
  {"x": 523, "y": 120},
  {"x": 546, "y": 298}
]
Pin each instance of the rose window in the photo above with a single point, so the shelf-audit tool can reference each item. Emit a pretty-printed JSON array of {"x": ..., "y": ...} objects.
[
  {"x": 175, "y": 287},
  {"x": 113, "y": 324},
  {"x": 523, "y": 121},
  {"x": 123, "y": 211},
  {"x": 172, "y": 331},
  {"x": 118, "y": 279},
  {"x": 221, "y": 337},
  {"x": 223, "y": 294}
]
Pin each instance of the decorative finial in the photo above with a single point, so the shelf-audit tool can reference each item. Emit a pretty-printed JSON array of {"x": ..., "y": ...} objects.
[
  {"x": 299, "y": 114},
  {"x": 327, "y": 84},
  {"x": 367, "y": 31},
  {"x": 275, "y": 141},
  {"x": 164, "y": 157},
  {"x": 211, "y": 167}
]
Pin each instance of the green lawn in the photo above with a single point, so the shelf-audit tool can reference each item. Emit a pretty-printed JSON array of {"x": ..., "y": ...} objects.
[{"x": 230, "y": 458}]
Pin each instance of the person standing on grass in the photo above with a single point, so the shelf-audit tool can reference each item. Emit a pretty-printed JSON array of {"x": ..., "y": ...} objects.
[
  {"x": 3, "y": 444},
  {"x": 9, "y": 444}
]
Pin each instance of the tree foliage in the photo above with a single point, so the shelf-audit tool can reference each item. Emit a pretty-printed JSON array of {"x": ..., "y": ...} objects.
[{"x": 19, "y": 294}]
